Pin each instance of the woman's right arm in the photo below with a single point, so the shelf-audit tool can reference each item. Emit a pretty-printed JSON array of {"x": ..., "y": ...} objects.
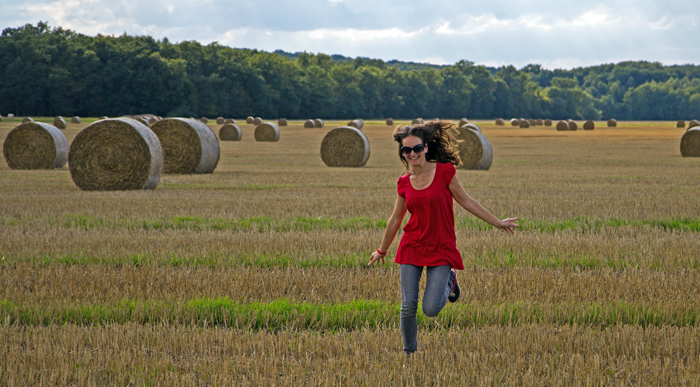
[{"x": 392, "y": 226}]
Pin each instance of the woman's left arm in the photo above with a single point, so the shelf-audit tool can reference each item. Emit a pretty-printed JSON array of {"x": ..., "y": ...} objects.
[{"x": 471, "y": 205}]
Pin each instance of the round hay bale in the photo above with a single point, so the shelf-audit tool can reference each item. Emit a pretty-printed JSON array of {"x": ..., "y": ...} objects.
[
  {"x": 514, "y": 122},
  {"x": 267, "y": 132},
  {"x": 690, "y": 143},
  {"x": 229, "y": 121},
  {"x": 345, "y": 146},
  {"x": 318, "y": 123},
  {"x": 152, "y": 121},
  {"x": 539, "y": 122},
  {"x": 612, "y": 123},
  {"x": 309, "y": 124},
  {"x": 220, "y": 120},
  {"x": 463, "y": 121},
  {"x": 500, "y": 121},
  {"x": 417, "y": 121},
  {"x": 588, "y": 125},
  {"x": 75, "y": 120},
  {"x": 230, "y": 132},
  {"x": 474, "y": 149},
  {"x": 389, "y": 122},
  {"x": 189, "y": 147},
  {"x": 115, "y": 155},
  {"x": 142, "y": 120},
  {"x": 10, "y": 115},
  {"x": 356, "y": 124},
  {"x": 0, "y": 117},
  {"x": 547, "y": 122},
  {"x": 282, "y": 122},
  {"x": 532, "y": 122},
  {"x": 562, "y": 125},
  {"x": 472, "y": 127},
  {"x": 524, "y": 124},
  {"x": 203, "y": 120},
  {"x": 59, "y": 122},
  {"x": 27, "y": 120},
  {"x": 104, "y": 118},
  {"x": 693, "y": 124},
  {"x": 680, "y": 124},
  {"x": 573, "y": 125},
  {"x": 35, "y": 145},
  {"x": 257, "y": 121},
  {"x": 249, "y": 120}
]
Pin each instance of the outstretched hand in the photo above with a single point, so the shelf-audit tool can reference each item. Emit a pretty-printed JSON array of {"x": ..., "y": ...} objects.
[
  {"x": 376, "y": 257},
  {"x": 508, "y": 226}
]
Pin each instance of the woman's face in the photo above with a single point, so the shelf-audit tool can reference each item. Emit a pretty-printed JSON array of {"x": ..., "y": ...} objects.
[{"x": 414, "y": 158}]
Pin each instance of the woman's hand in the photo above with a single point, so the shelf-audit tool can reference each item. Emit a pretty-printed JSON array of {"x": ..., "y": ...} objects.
[
  {"x": 507, "y": 225},
  {"x": 376, "y": 257}
]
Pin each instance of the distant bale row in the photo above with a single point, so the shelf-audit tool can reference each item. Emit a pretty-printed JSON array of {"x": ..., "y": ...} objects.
[
  {"x": 317, "y": 123},
  {"x": 474, "y": 148},
  {"x": 345, "y": 146},
  {"x": 690, "y": 142},
  {"x": 35, "y": 145}
]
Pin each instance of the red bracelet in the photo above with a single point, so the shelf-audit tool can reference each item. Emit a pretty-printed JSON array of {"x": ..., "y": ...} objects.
[{"x": 382, "y": 253}]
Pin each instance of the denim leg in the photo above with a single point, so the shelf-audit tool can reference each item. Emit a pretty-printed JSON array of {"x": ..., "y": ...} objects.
[
  {"x": 437, "y": 289},
  {"x": 410, "y": 280}
]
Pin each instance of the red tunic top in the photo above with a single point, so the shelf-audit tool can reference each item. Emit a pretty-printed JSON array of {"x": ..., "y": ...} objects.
[{"x": 429, "y": 236}]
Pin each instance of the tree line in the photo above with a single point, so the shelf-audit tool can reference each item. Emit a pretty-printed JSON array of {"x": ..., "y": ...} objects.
[{"x": 54, "y": 71}]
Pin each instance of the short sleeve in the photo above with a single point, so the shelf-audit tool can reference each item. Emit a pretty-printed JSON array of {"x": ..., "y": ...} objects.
[
  {"x": 401, "y": 186},
  {"x": 449, "y": 172}
]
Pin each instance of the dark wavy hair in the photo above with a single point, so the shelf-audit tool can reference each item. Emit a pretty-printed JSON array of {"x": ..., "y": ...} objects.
[{"x": 437, "y": 135}]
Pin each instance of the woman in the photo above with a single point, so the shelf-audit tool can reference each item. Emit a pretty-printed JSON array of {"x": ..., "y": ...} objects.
[{"x": 426, "y": 189}]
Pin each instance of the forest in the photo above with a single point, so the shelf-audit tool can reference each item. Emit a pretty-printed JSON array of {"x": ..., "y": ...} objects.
[{"x": 47, "y": 71}]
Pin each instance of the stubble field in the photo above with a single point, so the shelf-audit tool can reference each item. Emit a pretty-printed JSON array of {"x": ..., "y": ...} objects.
[{"x": 256, "y": 274}]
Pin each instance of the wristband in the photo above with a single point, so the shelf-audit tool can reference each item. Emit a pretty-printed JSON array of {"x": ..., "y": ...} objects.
[{"x": 380, "y": 252}]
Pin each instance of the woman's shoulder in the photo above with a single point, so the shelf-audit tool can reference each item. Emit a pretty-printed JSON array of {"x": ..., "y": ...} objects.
[{"x": 447, "y": 170}]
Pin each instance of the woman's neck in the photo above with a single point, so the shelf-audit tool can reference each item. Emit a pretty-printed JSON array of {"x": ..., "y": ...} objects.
[{"x": 419, "y": 168}]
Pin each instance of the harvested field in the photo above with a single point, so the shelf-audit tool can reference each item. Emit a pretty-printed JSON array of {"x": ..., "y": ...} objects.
[{"x": 256, "y": 273}]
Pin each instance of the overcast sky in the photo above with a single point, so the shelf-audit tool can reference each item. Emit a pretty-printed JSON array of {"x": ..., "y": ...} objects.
[{"x": 554, "y": 33}]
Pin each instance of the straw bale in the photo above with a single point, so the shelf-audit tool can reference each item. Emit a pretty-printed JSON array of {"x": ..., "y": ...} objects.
[
  {"x": 189, "y": 146},
  {"x": 389, "y": 122},
  {"x": 35, "y": 145},
  {"x": 203, "y": 120},
  {"x": 573, "y": 125},
  {"x": 114, "y": 155},
  {"x": 152, "y": 121},
  {"x": 59, "y": 122},
  {"x": 229, "y": 121},
  {"x": 547, "y": 122},
  {"x": 27, "y": 120},
  {"x": 680, "y": 124},
  {"x": 142, "y": 120},
  {"x": 10, "y": 115},
  {"x": 500, "y": 121},
  {"x": 539, "y": 122},
  {"x": 524, "y": 124},
  {"x": 0, "y": 117},
  {"x": 562, "y": 125},
  {"x": 249, "y": 120},
  {"x": 472, "y": 127},
  {"x": 690, "y": 143},
  {"x": 282, "y": 122},
  {"x": 356, "y": 124},
  {"x": 220, "y": 120},
  {"x": 345, "y": 146},
  {"x": 417, "y": 121},
  {"x": 267, "y": 132},
  {"x": 588, "y": 125},
  {"x": 532, "y": 122},
  {"x": 230, "y": 132},
  {"x": 514, "y": 122},
  {"x": 474, "y": 149},
  {"x": 75, "y": 120},
  {"x": 612, "y": 123},
  {"x": 318, "y": 123},
  {"x": 463, "y": 121},
  {"x": 309, "y": 124},
  {"x": 693, "y": 124},
  {"x": 104, "y": 118},
  {"x": 257, "y": 121}
]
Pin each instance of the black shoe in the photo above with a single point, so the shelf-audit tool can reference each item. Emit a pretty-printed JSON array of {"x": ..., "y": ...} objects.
[{"x": 454, "y": 293}]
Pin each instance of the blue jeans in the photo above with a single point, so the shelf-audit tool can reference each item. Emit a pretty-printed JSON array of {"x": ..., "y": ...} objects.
[{"x": 437, "y": 288}]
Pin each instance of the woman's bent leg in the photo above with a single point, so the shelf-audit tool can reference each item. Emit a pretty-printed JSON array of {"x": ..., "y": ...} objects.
[
  {"x": 410, "y": 279},
  {"x": 437, "y": 289}
]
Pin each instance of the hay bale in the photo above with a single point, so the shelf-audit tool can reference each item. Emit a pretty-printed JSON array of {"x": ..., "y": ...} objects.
[
  {"x": 524, "y": 124},
  {"x": 463, "y": 121},
  {"x": 203, "y": 120},
  {"x": 229, "y": 121},
  {"x": 680, "y": 124},
  {"x": 514, "y": 122},
  {"x": 693, "y": 124},
  {"x": 104, "y": 118},
  {"x": 35, "y": 145},
  {"x": 345, "y": 146},
  {"x": 612, "y": 123},
  {"x": 532, "y": 122},
  {"x": 389, "y": 122},
  {"x": 189, "y": 147},
  {"x": 267, "y": 132},
  {"x": 27, "y": 120},
  {"x": 282, "y": 122},
  {"x": 572, "y": 125},
  {"x": 547, "y": 122},
  {"x": 539, "y": 122},
  {"x": 257, "y": 121},
  {"x": 142, "y": 120},
  {"x": 356, "y": 124},
  {"x": 500, "y": 121},
  {"x": 417, "y": 121},
  {"x": 474, "y": 149},
  {"x": 249, "y": 120},
  {"x": 220, "y": 120},
  {"x": 115, "y": 155},
  {"x": 562, "y": 125},
  {"x": 318, "y": 123},
  {"x": 75, "y": 120},
  {"x": 59, "y": 122},
  {"x": 230, "y": 132},
  {"x": 690, "y": 143},
  {"x": 10, "y": 115},
  {"x": 0, "y": 117},
  {"x": 588, "y": 125},
  {"x": 152, "y": 121},
  {"x": 472, "y": 127},
  {"x": 309, "y": 124}
]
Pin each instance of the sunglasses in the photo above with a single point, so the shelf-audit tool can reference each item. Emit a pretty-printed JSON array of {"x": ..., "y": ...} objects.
[{"x": 417, "y": 149}]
